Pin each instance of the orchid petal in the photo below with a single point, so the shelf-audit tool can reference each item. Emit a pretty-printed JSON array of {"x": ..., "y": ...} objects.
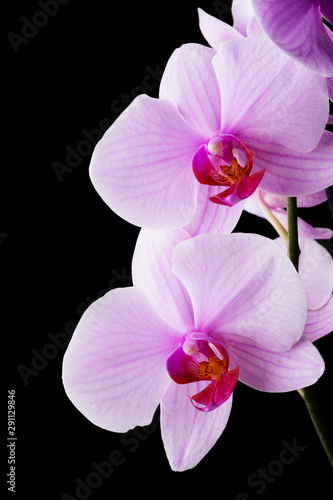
[
  {"x": 181, "y": 367},
  {"x": 225, "y": 386},
  {"x": 249, "y": 184},
  {"x": 244, "y": 285},
  {"x": 114, "y": 367},
  {"x": 269, "y": 371},
  {"x": 260, "y": 101},
  {"x": 319, "y": 322},
  {"x": 242, "y": 14},
  {"x": 294, "y": 174},
  {"x": 311, "y": 200},
  {"x": 142, "y": 165},
  {"x": 229, "y": 197},
  {"x": 239, "y": 192},
  {"x": 189, "y": 82},
  {"x": 152, "y": 272},
  {"x": 214, "y": 30},
  {"x": 254, "y": 28},
  {"x": 217, "y": 392},
  {"x": 203, "y": 168},
  {"x": 206, "y": 398},
  {"x": 189, "y": 434},
  {"x": 315, "y": 233},
  {"x": 329, "y": 80},
  {"x": 316, "y": 271},
  {"x": 297, "y": 29},
  {"x": 210, "y": 217}
]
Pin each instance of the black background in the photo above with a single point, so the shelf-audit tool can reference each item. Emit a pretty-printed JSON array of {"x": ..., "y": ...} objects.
[{"x": 62, "y": 247}]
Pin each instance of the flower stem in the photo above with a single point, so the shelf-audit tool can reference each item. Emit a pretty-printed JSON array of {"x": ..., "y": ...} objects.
[
  {"x": 293, "y": 246},
  {"x": 309, "y": 394},
  {"x": 271, "y": 217}
]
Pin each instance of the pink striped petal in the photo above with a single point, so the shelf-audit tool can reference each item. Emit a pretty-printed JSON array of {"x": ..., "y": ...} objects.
[
  {"x": 214, "y": 30},
  {"x": 142, "y": 165},
  {"x": 189, "y": 434},
  {"x": 242, "y": 14},
  {"x": 210, "y": 217},
  {"x": 319, "y": 322},
  {"x": 294, "y": 174},
  {"x": 190, "y": 83},
  {"x": 316, "y": 271},
  {"x": 297, "y": 29},
  {"x": 114, "y": 368},
  {"x": 231, "y": 293},
  {"x": 311, "y": 200},
  {"x": 269, "y": 371},
  {"x": 261, "y": 102},
  {"x": 315, "y": 233},
  {"x": 152, "y": 273}
]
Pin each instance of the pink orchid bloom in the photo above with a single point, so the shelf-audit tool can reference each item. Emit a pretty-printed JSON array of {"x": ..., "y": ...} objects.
[
  {"x": 230, "y": 116},
  {"x": 194, "y": 321},
  {"x": 316, "y": 271},
  {"x": 315, "y": 262},
  {"x": 294, "y": 26},
  {"x": 297, "y": 28}
]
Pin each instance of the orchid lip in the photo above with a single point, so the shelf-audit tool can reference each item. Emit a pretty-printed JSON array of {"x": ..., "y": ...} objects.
[
  {"x": 226, "y": 161},
  {"x": 208, "y": 360}
]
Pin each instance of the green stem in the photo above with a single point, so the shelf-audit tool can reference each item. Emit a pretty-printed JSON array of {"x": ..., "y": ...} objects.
[
  {"x": 309, "y": 394},
  {"x": 293, "y": 246}
]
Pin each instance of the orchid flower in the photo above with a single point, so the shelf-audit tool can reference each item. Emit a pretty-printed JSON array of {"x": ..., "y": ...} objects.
[
  {"x": 194, "y": 322},
  {"x": 315, "y": 262},
  {"x": 224, "y": 123},
  {"x": 295, "y": 27},
  {"x": 316, "y": 272}
]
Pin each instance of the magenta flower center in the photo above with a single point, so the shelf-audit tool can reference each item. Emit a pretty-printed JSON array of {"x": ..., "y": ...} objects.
[
  {"x": 226, "y": 161},
  {"x": 200, "y": 358}
]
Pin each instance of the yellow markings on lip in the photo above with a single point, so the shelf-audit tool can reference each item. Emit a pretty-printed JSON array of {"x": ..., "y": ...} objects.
[{"x": 208, "y": 370}]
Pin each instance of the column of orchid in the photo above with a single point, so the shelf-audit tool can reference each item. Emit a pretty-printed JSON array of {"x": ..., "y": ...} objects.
[{"x": 237, "y": 125}]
